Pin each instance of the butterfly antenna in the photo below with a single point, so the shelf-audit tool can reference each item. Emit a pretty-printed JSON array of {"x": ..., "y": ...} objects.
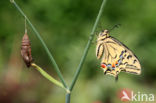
[{"x": 115, "y": 26}]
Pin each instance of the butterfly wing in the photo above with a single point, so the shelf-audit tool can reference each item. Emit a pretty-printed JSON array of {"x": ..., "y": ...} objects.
[{"x": 117, "y": 57}]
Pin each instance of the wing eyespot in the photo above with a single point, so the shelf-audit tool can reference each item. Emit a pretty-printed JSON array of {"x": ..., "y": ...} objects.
[{"x": 103, "y": 65}]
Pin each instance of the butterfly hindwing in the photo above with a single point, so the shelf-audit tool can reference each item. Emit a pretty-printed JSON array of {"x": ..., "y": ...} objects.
[{"x": 129, "y": 60}]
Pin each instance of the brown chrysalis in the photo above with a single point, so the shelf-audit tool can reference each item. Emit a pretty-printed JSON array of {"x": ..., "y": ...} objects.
[{"x": 26, "y": 50}]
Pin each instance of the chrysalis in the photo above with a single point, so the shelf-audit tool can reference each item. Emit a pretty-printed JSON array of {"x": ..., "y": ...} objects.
[{"x": 26, "y": 50}]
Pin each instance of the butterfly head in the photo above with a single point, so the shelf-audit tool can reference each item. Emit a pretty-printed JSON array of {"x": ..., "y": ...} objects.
[{"x": 103, "y": 34}]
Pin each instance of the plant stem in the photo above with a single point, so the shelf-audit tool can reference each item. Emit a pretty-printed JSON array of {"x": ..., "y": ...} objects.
[
  {"x": 43, "y": 43},
  {"x": 68, "y": 98},
  {"x": 47, "y": 76},
  {"x": 87, "y": 46}
]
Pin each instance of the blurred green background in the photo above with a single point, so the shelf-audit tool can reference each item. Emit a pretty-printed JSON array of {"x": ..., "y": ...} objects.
[{"x": 65, "y": 26}]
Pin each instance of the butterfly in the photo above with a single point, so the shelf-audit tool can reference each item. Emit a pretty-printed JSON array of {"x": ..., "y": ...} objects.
[{"x": 115, "y": 56}]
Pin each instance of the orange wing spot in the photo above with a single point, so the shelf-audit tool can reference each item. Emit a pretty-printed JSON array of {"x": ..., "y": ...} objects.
[
  {"x": 113, "y": 65},
  {"x": 103, "y": 65},
  {"x": 116, "y": 62}
]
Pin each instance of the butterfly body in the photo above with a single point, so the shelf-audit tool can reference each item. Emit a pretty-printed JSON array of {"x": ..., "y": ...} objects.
[{"x": 115, "y": 56}]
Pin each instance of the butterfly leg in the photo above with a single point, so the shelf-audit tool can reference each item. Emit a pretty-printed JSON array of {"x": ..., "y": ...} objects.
[
  {"x": 94, "y": 42},
  {"x": 105, "y": 73},
  {"x": 116, "y": 78}
]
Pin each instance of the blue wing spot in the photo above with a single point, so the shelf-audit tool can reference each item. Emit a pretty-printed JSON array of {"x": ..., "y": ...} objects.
[
  {"x": 109, "y": 65},
  {"x": 113, "y": 68},
  {"x": 119, "y": 61}
]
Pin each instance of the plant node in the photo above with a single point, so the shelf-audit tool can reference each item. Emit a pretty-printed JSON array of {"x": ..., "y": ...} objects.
[
  {"x": 68, "y": 91},
  {"x": 12, "y": 1}
]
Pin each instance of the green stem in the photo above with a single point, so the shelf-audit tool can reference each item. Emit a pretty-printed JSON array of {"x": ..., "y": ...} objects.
[
  {"x": 43, "y": 43},
  {"x": 68, "y": 98},
  {"x": 87, "y": 47},
  {"x": 47, "y": 76}
]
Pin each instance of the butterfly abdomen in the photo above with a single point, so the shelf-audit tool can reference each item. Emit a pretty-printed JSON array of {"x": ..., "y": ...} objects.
[
  {"x": 100, "y": 43},
  {"x": 99, "y": 50}
]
